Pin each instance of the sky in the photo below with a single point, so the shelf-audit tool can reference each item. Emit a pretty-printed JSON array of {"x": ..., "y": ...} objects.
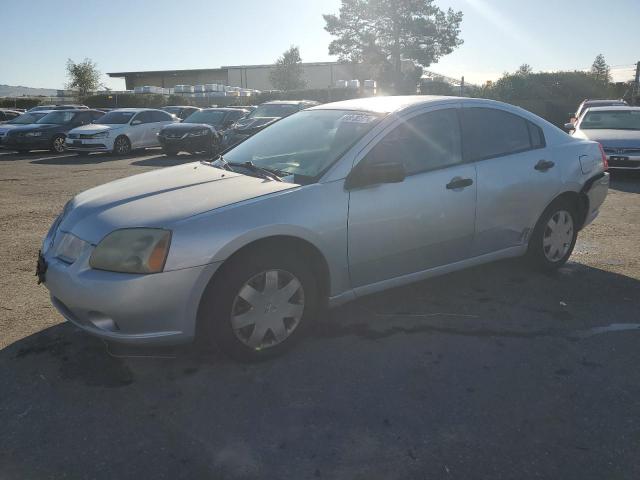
[{"x": 126, "y": 35}]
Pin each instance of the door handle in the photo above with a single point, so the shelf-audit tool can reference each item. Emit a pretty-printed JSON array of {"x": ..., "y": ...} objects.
[
  {"x": 458, "y": 182},
  {"x": 544, "y": 165}
]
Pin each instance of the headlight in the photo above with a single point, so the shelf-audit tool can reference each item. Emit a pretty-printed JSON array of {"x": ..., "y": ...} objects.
[
  {"x": 132, "y": 250},
  {"x": 100, "y": 135},
  {"x": 199, "y": 133},
  {"x": 69, "y": 248},
  {"x": 33, "y": 134}
]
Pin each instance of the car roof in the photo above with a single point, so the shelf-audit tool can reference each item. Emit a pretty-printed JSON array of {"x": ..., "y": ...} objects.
[
  {"x": 222, "y": 109},
  {"x": 290, "y": 102},
  {"x": 614, "y": 108},
  {"x": 137, "y": 110},
  {"x": 181, "y": 106},
  {"x": 384, "y": 104},
  {"x": 610, "y": 102}
]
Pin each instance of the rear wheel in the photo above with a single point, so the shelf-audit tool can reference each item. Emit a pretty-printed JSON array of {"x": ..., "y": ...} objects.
[
  {"x": 554, "y": 236},
  {"x": 57, "y": 144},
  {"x": 122, "y": 146},
  {"x": 260, "y": 305}
]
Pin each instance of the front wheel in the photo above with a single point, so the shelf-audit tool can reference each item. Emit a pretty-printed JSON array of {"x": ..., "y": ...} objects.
[
  {"x": 122, "y": 146},
  {"x": 554, "y": 236},
  {"x": 57, "y": 144},
  {"x": 260, "y": 305}
]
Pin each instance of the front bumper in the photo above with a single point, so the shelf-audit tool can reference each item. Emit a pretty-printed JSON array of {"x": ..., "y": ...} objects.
[
  {"x": 19, "y": 142},
  {"x": 155, "y": 309},
  {"x": 89, "y": 144},
  {"x": 186, "y": 144},
  {"x": 624, "y": 162}
]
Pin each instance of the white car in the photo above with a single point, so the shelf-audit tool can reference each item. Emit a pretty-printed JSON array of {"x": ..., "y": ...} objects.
[{"x": 120, "y": 131}]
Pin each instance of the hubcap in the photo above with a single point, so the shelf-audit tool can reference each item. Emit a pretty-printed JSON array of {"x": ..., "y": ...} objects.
[
  {"x": 558, "y": 235},
  {"x": 121, "y": 146},
  {"x": 58, "y": 144},
  {"x": 267, "y": 309}
]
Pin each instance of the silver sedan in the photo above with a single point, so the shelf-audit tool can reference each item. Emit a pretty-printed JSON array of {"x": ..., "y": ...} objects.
[{"x": 332, "y": 203}]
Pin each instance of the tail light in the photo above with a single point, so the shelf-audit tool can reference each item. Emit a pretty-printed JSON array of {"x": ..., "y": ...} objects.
[{"x": 605, "y": 162}]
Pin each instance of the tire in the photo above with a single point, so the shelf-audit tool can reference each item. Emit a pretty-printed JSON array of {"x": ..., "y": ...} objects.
[
  {"x": 121, "y": 146},
  {"x": 554, "y": 236},
  {"x": 57, "y": 144},
  {"x": 272, "y": 323}
]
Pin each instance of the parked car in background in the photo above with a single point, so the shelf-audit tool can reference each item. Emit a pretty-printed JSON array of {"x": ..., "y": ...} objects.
[
  {"x": 200, "y": 131},
  {"x": 120, "y": 131},
  {"x": 21, "y": 121},
  {"x": 617, "y": 129},
  {"x": 263, "y": 116},
  {"x": 58, "y": 107},
  {"x": 338, "y": 201},
  {"x": 6, "y": 115},
  {"x": 49, "y": 132},
  {"x": 595, "y": 103},
  {"x": 181, "y": 112},
  {"x": 249, "y": 108}
]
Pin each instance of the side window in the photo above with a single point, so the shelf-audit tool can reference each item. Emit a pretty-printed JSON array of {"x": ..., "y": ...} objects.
[
  {"x": 490, "y": 132},
  {"x": 144, "y": 117},
  {"x": 426, "y": 142},
  {"x": 3, "y": 116},
  {"x": 82, "y": 118},
  {"x": 11, "y": 115},
  {"x": 160, "y": 117},
  {"x": 537, "y": 137},
  {"x": 96, "y": 115}
]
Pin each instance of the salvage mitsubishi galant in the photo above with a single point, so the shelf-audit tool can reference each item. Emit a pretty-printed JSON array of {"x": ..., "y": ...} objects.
[{"x": 331, "y": 203}]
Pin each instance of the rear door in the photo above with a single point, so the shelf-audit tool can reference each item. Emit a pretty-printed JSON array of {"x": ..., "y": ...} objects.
[
  {"x": 138, "y": 133},
  {"x": 426, "y": 220},
  {"x": 517, "y": 176}
]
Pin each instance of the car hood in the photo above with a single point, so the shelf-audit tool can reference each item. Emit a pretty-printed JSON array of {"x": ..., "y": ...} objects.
[
  {"x": 186, "y": 127},
  {"x": 612, "y": 138},
  {"x": 161, "y": 198},
  {"x": 254, "y": 123},
  {"x": 96, "y": 128},
  {"x": 6, "y": 127}
]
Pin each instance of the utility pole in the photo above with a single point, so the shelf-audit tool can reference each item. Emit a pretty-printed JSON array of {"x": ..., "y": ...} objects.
[
  {"x": 636, "y": 86},
  {"x": 462, "y": 87}
]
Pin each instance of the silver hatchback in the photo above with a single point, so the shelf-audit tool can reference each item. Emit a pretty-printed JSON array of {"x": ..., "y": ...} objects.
[{"x": 331, "y": 203}]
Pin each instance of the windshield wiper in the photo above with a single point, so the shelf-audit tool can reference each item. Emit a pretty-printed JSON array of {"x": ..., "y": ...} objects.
[
  {"x": 224, "y": 164},
  {"x": 256, "y": 169}
]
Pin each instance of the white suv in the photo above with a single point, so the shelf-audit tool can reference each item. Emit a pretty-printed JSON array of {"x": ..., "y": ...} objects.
[{"x": 120, "y": 131}]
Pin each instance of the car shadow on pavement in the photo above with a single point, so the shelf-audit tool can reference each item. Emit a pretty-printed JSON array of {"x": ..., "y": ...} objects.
[
  {"x": 387, "y": 384},
  {"x": 625, "y": 181},
  {"x": 75, "y": 159},
  {"x": 168, "y": 161}
]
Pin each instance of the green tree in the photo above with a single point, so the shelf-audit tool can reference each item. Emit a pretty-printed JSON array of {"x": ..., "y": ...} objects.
[
  {"x": 386, "y": 32},
  {"x": 524, "y": 70},
  {"x": 600, "y": 70},
  {"x": 288, "y": 73},
  {"x": 83, "y": 77}
]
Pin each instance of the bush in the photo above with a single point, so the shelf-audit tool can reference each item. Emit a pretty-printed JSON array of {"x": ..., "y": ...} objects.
[{"x": 19, "y": 102}]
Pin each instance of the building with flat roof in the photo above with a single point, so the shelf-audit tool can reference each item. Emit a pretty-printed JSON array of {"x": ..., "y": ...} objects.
[{"x": 317, "y": 75}]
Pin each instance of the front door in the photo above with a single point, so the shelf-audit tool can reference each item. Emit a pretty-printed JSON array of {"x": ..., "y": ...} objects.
[{"x": 425, "y": 221}]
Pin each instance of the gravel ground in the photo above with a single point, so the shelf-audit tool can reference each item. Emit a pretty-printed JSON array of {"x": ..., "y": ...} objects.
[{"x": 494, "y": 372}]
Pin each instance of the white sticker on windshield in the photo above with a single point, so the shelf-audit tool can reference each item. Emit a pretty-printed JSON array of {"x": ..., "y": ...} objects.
[{"x": 357, "y": 118}]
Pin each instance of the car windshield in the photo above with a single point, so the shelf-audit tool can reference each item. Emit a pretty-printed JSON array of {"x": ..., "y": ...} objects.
[
  {"x": 611, "y": 120},
  {"x": 27, "y": 118},
  {"x": 306, "y": 143},
  {"x": 58, "y": 117},
  {"x": 274, "y": 110},
  {"x": 210, "y": 117},
  {"x": 116, "y": 118}
]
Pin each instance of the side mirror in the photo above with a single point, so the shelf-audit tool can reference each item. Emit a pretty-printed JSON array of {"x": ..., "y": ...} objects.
[
  {"x": 369, "y": 173},
  {"x": 569, "y": 126},
  {"x": 136, "y": 122}
]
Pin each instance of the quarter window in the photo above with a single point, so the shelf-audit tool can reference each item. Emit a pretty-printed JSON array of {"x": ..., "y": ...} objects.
[
  {"x": 489, "y": 132},
  {"x": 427, "y": 142}
]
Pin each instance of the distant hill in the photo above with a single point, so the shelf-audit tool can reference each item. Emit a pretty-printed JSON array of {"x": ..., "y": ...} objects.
[{"x": 19, "y": 91}]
